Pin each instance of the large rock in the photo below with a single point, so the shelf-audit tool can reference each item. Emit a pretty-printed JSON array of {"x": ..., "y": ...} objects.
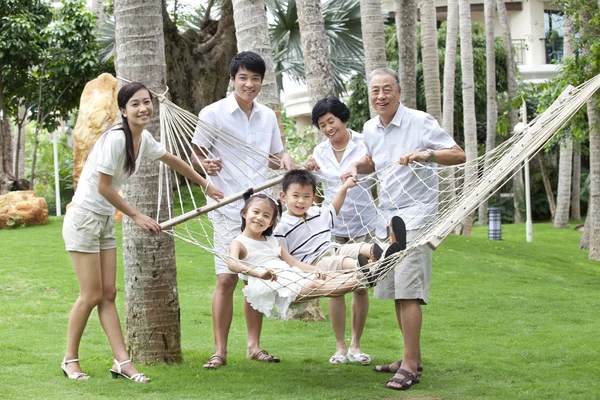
[
  {"x": 98, "y": 111},
  {"x": 22, "y": 207}
]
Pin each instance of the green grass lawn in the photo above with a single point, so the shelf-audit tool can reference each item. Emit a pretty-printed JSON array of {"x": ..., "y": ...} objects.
[{"x": 506, "y": 320}]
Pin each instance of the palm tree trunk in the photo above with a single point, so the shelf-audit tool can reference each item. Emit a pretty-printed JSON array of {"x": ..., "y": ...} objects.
[
  {"x": 450, "y": 67},
  {"x": 511, "y": 77},
  {"x": 492, "y": 109},
  {"x": 431, "y": 63},
  {"x": 151, "y": 297},
  {"x": 565, "y": 163},
  {"x": 593, "y": 215},
  {"x": 563, "y": 197},
  {"x": 576, "y": 181},
  {"x": 406, "y": 29},
  {"x": 315, "y": 50},
  {"x": 468, "y": 94},
  {"x": 373, "y": 35}
]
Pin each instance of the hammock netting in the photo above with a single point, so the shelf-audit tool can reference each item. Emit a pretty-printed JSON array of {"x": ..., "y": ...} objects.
[{"x": 443, "y": 197}]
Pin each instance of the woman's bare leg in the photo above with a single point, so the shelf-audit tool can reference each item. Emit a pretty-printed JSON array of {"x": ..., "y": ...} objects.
[
  {"x": 107, "y": 311},
  {"x": 87, "y": 270}
]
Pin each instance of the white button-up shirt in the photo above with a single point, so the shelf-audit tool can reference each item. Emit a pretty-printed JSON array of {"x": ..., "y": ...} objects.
[
  {"x": 403, "y": 190},
  {"x": 242, "y": 168},
  {"x": 358, "y": 215}
]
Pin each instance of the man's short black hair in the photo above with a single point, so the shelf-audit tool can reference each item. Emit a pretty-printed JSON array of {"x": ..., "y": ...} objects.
[
  {"x": 250, "y": 61},
  {"x": 300, "y": 176},
  {"x": 330, "y": 105}
]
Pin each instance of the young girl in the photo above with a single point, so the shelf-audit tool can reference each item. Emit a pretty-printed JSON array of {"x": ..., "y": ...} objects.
[
  {"x": 88, "y": 229},
  {"x": 276, "y": 279}
]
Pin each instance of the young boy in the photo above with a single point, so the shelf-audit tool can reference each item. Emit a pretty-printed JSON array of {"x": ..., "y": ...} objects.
[
  {"x": 305, "y": 232},
  {"x": 250, "y": 122}
]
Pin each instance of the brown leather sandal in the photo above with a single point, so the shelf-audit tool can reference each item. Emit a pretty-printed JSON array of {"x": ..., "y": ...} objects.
[
  {"x": 405, "y": 383},
  {"x": 263, "y": 356},
  {"x": 215, "y": 361}
]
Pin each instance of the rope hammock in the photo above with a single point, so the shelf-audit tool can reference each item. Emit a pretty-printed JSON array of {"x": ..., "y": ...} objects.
[{"x": 452, "y": 193}]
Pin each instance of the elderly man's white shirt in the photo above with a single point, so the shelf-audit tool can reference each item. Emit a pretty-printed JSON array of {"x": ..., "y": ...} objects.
[
  {"x": 410, "y": 193},
  {"x": 241, "y": 168},
  {"x": 358, "y": 215}
]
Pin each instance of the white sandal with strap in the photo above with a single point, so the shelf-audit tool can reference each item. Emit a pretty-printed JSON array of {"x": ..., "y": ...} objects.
[
  {"x": 74, "y": 375},
  {"x": 139, "y": 377}
]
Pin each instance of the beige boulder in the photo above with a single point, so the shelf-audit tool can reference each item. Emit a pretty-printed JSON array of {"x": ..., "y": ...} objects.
[
  {"x": 98, "y": 111},
  {"x": 22, "y": 207}
]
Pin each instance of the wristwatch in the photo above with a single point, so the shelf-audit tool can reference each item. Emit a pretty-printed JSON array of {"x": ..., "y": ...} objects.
[{"x": 431, "y": 154}]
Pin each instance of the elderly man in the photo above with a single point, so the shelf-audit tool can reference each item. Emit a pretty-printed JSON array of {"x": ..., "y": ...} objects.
[{"x": 403, "y": 135}]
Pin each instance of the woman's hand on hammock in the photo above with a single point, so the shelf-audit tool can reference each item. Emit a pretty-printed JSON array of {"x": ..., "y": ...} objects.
[
  {"x": 146, "y": 223},
  {"x": 311, "y": 164},
  {"x": 321, "y": 275},
  {"x": 214, "y": 193}
]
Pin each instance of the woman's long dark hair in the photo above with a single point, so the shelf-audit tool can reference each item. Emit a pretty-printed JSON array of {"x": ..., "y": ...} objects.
[{"x": 125, "y": 93}]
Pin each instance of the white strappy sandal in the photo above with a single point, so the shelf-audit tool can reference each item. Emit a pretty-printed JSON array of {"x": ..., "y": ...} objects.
[
  {"x": 74, "y": 375},
  {"x": 139, "y": 377}
]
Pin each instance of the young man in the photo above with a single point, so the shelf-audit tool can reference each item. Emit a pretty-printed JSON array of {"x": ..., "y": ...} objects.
[
  {"x": 250, "y": 122},
  {"x": 305, "y": 232}
]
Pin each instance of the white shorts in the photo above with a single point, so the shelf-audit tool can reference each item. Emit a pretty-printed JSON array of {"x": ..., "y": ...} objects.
[
  {"x": 88, "y": 232},
  {"x": 332, "y": 259},
  {"x": 225, "y": 230}
]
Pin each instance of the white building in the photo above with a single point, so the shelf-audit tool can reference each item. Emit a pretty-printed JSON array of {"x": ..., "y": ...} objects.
[{"x": 536, "y": 31}]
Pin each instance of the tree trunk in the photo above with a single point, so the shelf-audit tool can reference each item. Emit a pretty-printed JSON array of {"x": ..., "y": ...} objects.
[
  {"x": 547, "y": 184},
  {"x": 511, "y": 77},
  {"x": 5, "y": 134},
  {"x": 563, "y": 197},
  {"x": 565, "y": 163},
  {"x": 448, "y": 191},
  {"x": 450, "y": 67},
  {"x": 468, "y": 94},
  {"x": 492, "y": 109},
  {"x": 593, "y": 216},
  {"x": 373, "y": 35},
  {"x": 584, "y": 242},
  {"x": 20, "y": 136},
  {"x": 431, "y": 63},
  {"x": 406, "y": 30},
  {"x": 315, "y": 50},
  {"x": 251, "y": 31},
  {"x": 151, "y": 297},
  {"x": 198, "y": 62},
  {"x": 576, "y": 181}
]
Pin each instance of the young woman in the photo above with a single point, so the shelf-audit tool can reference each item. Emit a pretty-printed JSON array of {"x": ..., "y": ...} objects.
[{"x": 88, "y": 229}]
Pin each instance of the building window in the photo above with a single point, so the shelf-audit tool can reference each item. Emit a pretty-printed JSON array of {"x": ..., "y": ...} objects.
[{"x": 553, "y": 28}]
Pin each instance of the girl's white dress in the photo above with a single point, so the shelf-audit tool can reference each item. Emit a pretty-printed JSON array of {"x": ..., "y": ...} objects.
[{"x": 265, "y": 295}]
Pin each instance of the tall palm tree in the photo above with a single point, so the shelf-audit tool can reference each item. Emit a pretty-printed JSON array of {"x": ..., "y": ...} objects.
[
  {"x": 343, "y": 32},
  {"x": 373, "y": 34},
  {"x": 492, "y": 109},
  {"x": 429, "y": 54},
  {"x": 468, "y": 92},
  {"x": 151, "y": 298},
  {"x": 315, "y": 50},
  {"x": 406, "y": 29},
  {"x": 511, "y": 73},
  {"x": 593, "y": 215},
  {"x": 450, "y": 67},
  {"x": 576, "y": 183},
  {"x": 565, "y": 163}
]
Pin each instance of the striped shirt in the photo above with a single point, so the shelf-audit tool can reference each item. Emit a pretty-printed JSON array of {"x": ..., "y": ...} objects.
[{"x": 309, "y": 237}]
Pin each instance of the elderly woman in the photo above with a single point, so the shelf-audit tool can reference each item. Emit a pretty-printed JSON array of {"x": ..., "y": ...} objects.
[{"x": 357, "y": 220}]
